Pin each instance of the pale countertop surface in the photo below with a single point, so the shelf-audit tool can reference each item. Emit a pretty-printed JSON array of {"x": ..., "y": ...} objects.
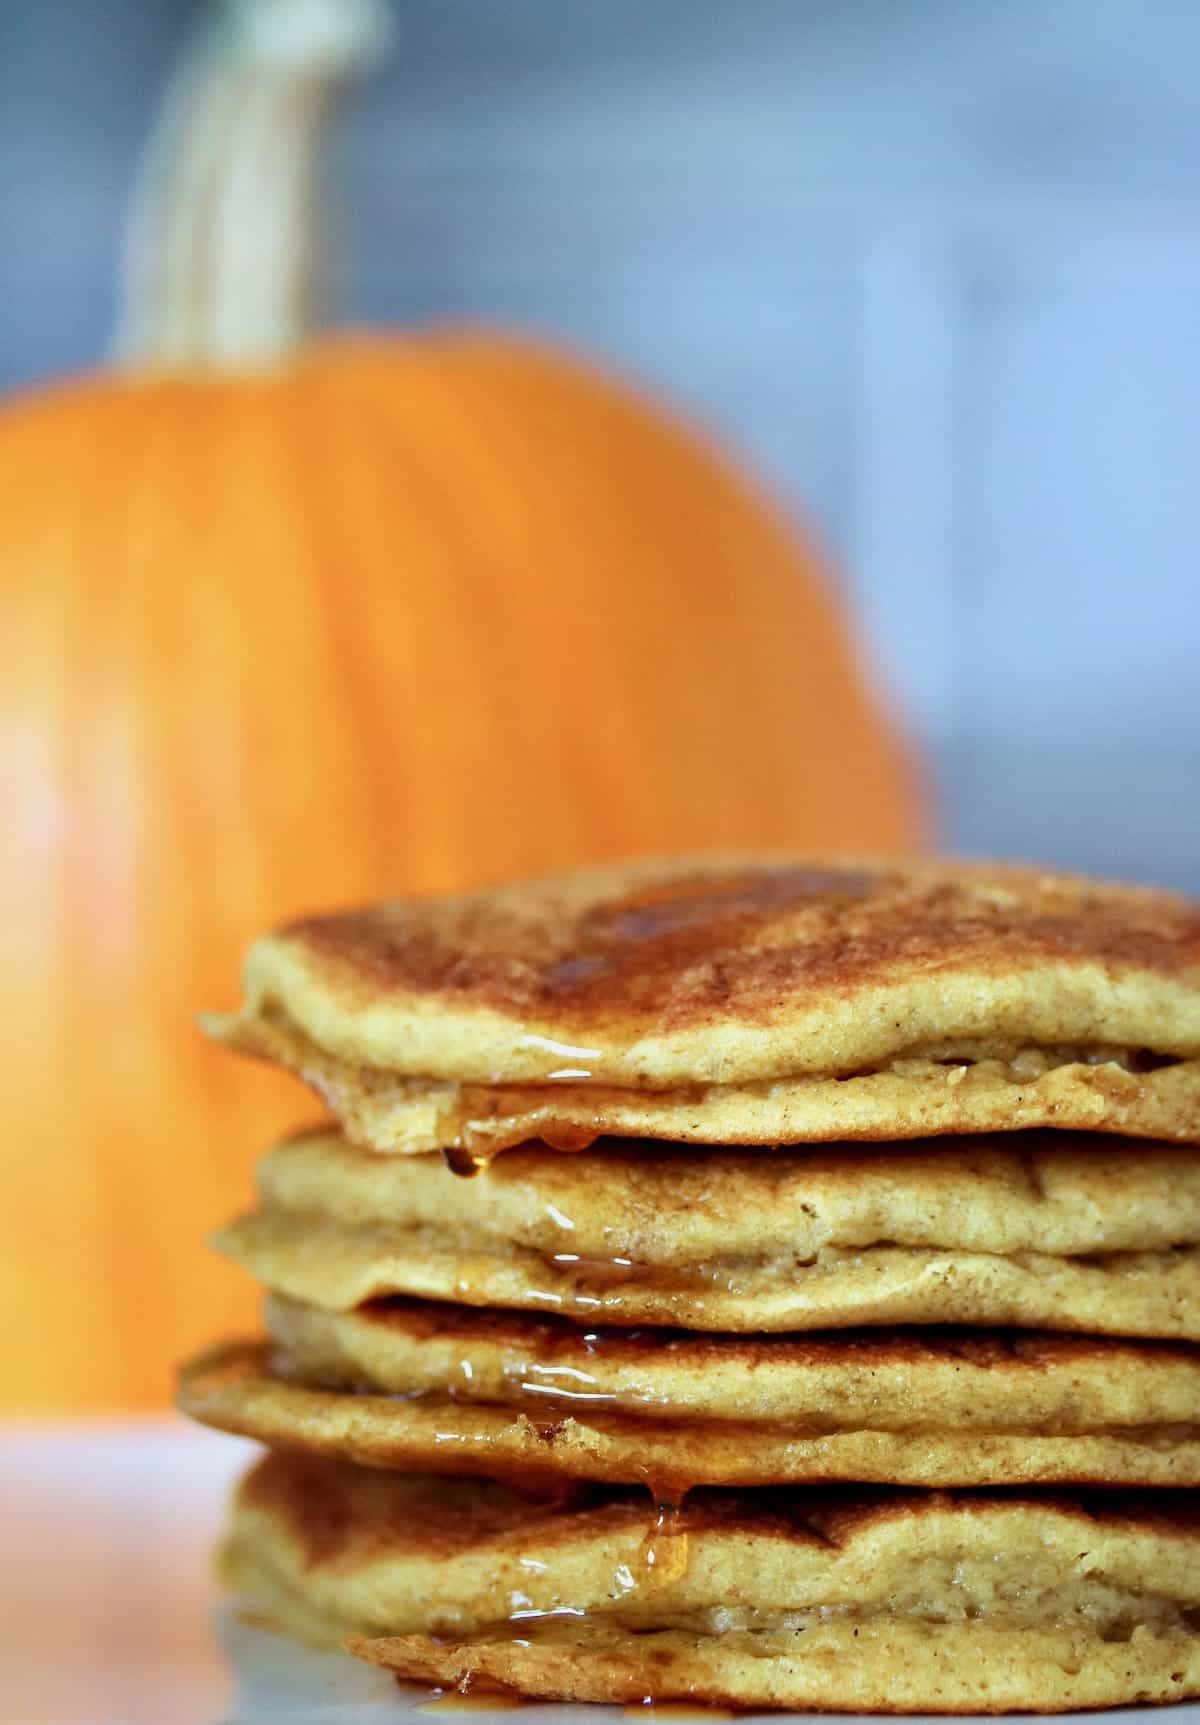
[{"x": 109, "y": 1614}]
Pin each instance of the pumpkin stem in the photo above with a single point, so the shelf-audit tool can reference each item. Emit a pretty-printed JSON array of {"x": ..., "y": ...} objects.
[{"x": 219, "y": 260}]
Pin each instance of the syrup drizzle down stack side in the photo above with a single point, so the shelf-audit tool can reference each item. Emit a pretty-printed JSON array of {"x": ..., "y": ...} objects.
[{"x": 707, "y": 1268}]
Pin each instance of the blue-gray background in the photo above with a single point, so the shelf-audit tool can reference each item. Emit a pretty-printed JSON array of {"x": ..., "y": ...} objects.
[{"x": 933, "y": 266}]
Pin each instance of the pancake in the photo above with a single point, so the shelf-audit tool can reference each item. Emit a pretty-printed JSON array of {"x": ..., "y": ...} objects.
[
  {"x": 852, "y": 1601},
  {"x": 416, "y": 1386},
  {"x": 731, "y": 1000},
  {"x": 1042, "y": 1230}
]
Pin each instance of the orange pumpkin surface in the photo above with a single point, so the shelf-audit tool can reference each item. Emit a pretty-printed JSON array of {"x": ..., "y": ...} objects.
[
  {"x": 386, "y": 616},
  {"x": 403, "y": 616}
]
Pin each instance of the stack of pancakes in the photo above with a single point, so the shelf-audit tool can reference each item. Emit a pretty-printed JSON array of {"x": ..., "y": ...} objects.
[{"x": 758, "y": 1282}]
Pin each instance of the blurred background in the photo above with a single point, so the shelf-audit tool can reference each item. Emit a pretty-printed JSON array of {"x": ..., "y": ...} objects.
[
  {"x": 926, "y": 271},
  {"x": 930, "y": 266}
]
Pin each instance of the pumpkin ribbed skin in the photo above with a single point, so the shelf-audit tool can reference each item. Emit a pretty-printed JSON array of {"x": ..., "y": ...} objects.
[{"x": 400, "y": 616}]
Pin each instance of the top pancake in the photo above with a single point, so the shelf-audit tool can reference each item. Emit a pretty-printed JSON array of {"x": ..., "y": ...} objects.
[{"x": 863, "y": 999}]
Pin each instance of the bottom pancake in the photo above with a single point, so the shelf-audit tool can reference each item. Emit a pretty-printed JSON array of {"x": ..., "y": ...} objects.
[
  {"x": 877, "y": 1667},
  {"x": 890, "y": 1601}
]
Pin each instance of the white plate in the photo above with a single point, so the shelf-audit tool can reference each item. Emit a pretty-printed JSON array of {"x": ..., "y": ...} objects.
[{"x": 109, "y": 1614}]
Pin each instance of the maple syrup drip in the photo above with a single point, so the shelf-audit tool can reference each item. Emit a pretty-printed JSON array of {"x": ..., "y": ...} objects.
[
  {"x": 663, "y": 1557},
  {"x": 598, "y": 1272},
  {"x": 464, "y": 1163},
  {"x": 562, "y": 1135},
  {"x": 568, "y": 1384}
]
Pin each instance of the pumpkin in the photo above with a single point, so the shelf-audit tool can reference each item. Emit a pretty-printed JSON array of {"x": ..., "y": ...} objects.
[{"x": 381, "y": 615}]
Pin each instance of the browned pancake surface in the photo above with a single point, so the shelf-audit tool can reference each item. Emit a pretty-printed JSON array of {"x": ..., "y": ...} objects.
[
  {"x": 740, "y": 1001},
  {"x": 727, "y": 970},
  {"x": 669, "y": 946}
]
